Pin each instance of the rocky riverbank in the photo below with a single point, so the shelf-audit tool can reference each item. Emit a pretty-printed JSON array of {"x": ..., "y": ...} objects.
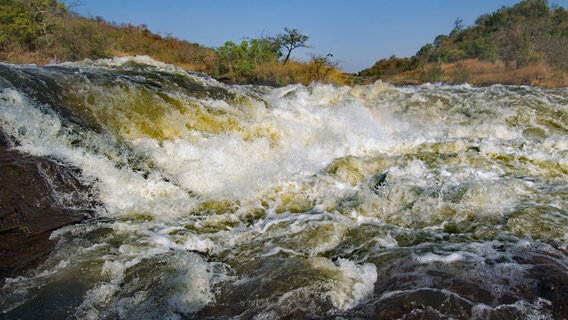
[{"x": 37, "y": 196}]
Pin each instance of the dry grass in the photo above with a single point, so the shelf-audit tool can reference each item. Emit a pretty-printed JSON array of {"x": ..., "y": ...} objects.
[
  {"x": 541, "y": 74},
  {"x": 24, "y": 57},
  {"x": 478, "y": 72},
  {"x": 276, "y": 73}
]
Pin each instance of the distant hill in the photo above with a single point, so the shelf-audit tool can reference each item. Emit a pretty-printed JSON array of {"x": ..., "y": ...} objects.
[
  {"x": 43, "y": 31},
  {"x": 523, "y": 44}
]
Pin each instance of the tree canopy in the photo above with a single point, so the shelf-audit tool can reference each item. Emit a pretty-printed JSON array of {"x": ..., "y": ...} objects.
[
  {"x": 292, "y": 39},
  {"x": 240, "y": 62}
]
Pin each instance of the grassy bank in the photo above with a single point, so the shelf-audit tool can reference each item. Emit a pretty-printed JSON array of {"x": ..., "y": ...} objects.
[{"x": 480, "y": 73}]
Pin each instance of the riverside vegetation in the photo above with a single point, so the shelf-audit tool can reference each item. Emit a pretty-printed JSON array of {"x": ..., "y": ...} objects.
[{"x": 523, "y": 44}]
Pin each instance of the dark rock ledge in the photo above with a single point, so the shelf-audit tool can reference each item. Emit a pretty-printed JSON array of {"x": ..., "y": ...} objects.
[{"x": 37, "y": 196}]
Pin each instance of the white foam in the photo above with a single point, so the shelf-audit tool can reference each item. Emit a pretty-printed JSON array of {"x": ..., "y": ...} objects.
[
  {"x": 352, "y": 283},
  {"x": 432, "y": 257},
  {"x": 142, "y": 60},
  {"x": 309, "y": 130},
  {"x": 193, "y": 287},
  {"x": 187, "y": 289},
  {"x": 290, "y": 141}
]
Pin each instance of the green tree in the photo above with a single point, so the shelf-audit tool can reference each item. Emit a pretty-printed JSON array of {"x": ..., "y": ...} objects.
[
  {"x": 16, "y": 24},
  {"x": 265, "y": 49},
  {"x": 233, "y": 60},
  {"x": 321, "y": 66},
  {"x": 458, "y": 26},
  {"x": 439, "y": 39},
  {"x": 29, "y": 23},
  {"x": 423, "y": 54},
  {"x": 239, "y": 62},
  {"x": 292, "y": 39}
]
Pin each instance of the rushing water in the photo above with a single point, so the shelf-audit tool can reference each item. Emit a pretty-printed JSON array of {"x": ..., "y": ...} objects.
[{"x": 319, "y": 202}]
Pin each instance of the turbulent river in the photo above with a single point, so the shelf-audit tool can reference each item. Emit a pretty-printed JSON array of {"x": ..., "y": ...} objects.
[{"x": 316, "y": 202}]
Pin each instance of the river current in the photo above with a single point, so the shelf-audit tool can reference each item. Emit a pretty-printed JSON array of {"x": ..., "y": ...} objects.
[{"x": 316, "y": 202}]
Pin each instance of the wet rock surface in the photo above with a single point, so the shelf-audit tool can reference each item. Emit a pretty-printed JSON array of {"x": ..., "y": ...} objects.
[{"x": 37, "y": 195}]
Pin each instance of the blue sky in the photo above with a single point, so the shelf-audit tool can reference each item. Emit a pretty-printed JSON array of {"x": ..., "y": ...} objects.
[{"x": 356, "y": 32}]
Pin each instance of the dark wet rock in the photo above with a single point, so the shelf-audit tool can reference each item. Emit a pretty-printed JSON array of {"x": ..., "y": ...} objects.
[
  {"x": 377, "y": 181},
  {"x": 551, "y": 279},
  {"x": 507, "y": 286},
  {"x": 37, "y": 196}
]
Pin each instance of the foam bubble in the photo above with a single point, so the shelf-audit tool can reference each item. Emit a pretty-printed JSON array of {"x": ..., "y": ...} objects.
[
  {"x": 432, "y": 257},
  {"x": 352, "y": 283}
]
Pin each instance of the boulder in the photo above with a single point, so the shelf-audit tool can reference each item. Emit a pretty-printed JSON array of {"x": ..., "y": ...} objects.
[{"x": 37, "y": 196}]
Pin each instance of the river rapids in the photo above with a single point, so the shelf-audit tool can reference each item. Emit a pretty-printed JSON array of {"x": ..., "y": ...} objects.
[{"x": 301, "y": 202}]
